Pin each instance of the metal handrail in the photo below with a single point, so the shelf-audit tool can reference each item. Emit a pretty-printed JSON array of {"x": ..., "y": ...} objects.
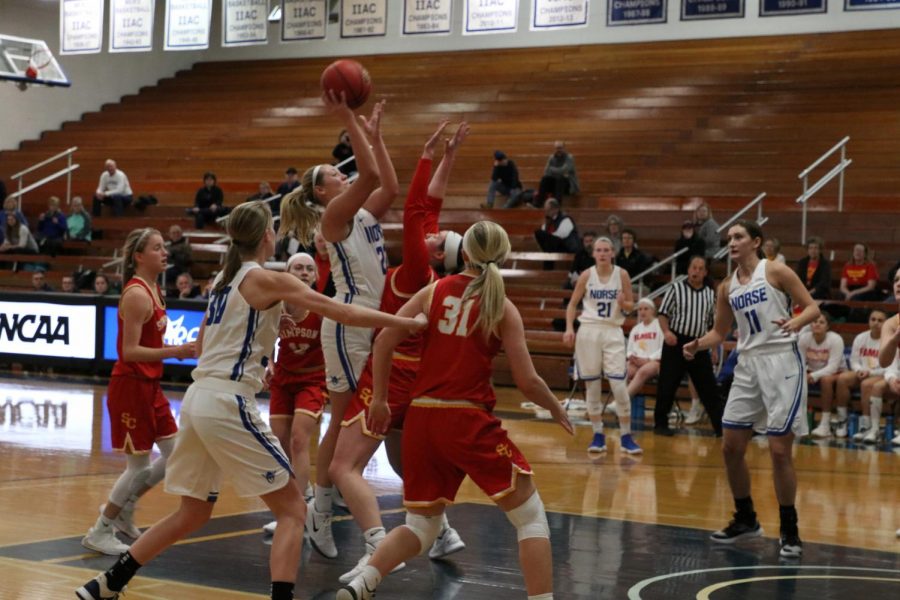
[
  {"x": 67, "y": 172},
  {"x": 838, "y": 170},
  {"x": 46, "y": 162},
  {"x": 655, "y": 266},
  {"x": 22, "y": 191},
  {"x": 755, "y": 202}
]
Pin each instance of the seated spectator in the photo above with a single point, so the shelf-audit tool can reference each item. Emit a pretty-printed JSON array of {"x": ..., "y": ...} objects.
[
  {"x": 614, "y": 227},
  {"x": 264, "y": 191},
  {"x": 630, "y": 256},
  {"x": 51, "y": 228},
  {"x": 645, "y": 342},
  {"x": 184, "y": 288},
  {"x": 558, "y": 233},
  {"x": 772, "y": 250},
  {"x": 823, "y": 352},
  {"x": 584, "y": 259},
  {"x": 208, "y": 202},
  {"x": 688, "y": 239},
  {"x": 16, "y": 237},
  {"x": 866, "y": 375},
  {"x": 113, "y": 189},
  {"x": 79, "y": 221},
  {"x": 859, "y": 277},
  {"x": 814, "y": 270},
  {"x": 707, "y": 229},
  {"x": 10, "y": 206},
  {"x": 291, "y": 182},
  {"x": 342, "y": 152},
  {"x": 39, "y": 282},
  {"x": 504, "y": 181},
  {"x": 68, "y": 285},
  {"x": 101, "y": 285},
  {"x": 180, "y": 256},
  {"x": 559, "y": 177}
]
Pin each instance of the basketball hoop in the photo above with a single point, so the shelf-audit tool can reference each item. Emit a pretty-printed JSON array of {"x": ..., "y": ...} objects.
[{"x": 40, "y": 58}]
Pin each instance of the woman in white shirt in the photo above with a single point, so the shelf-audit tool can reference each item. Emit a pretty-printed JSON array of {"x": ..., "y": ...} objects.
[
  {"x": 866, "y": 375},
  {"x": 644, "y": 348},
  {"x": 823, "y": 351}
]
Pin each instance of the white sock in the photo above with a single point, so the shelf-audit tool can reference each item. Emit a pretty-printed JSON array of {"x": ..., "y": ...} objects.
[
  {"x": 323, "y": 499},
  {"x": 371, "y": 576},
  {"x": 374, "y": 536},
  {"x": 875, "y": 404},
  {"x": 102, "y": 523},
  {"x": 547, "y": 596},
  {"x": 842, "y": 413},
  {"x": 826, "y": 419},
  {"x": 445, "y": 524}
]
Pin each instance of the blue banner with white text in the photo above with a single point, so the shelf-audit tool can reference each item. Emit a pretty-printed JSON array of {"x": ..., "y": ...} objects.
[
  {"x": 695, "y": 10},
  {"x": 636, "y": 12},
  {"x": 775, "y": 8}
]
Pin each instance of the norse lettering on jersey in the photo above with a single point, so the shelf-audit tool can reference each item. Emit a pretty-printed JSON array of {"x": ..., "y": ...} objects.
[
  {"x": 749, "y": 298},
  {"x": 604, "y": 294}
]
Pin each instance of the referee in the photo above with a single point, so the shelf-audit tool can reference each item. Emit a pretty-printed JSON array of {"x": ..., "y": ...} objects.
[{"x": 687, "y": 313}]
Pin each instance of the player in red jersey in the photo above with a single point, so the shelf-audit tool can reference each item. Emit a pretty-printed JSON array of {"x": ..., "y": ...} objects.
[
  {"x": 139, "y": 413},
  {"x": 450, "y": 431},
  {"x": 422, "y": 243},
  {"x": 297, "y": 384}
]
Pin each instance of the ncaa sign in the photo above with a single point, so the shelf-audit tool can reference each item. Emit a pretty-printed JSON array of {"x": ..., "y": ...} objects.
[{"x": 45, "y": 329}]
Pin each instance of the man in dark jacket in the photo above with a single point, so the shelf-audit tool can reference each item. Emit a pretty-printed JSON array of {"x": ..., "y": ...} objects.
[
  {"x": 208, "y": 202},
  {"x": 504, "y": 181},
  {"x": 558, "y": 233},
  {"x": 630, "y": 257}
]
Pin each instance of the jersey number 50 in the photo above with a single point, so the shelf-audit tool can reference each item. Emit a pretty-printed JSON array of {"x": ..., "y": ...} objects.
[{"x": 453, "y": 323}]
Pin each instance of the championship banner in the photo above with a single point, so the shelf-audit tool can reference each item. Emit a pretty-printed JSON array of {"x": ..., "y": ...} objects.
[
  {"x": 244, "y": 22},
  {"x": 490, "y": 16},
  {"x": 80, "y": 26},
  {"x": 636, "y": 12},
  {"x": 426, "y": 16},
  {"x": 303, "y": 20},
  {"x": 775, "y": 8},
  {"x": 851, "y": 5},
  {"x": 558, "y": 14},
  {"x": 187, "y": 24},
  {"x": 131, "y": 25},
  {"x": 363, "y": 19},
  {"x": 695, "y": 10}
]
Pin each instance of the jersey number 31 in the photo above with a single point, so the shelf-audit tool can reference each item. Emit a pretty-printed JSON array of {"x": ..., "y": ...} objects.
[{"x": 454, "y": 323}]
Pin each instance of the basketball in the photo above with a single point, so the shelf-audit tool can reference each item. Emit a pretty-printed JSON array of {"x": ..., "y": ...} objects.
[
  {"x": 31, "y": 72},
  {"x": 349, "y": 77}
]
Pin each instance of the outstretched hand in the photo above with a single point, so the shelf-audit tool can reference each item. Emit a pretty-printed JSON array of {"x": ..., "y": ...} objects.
[
  {"x": 431, "y": 144},
  {"x": 372, "y": 125},
  {"x": 451, "y": 145},
  {"x": 561, "y": 416},
  {"x": 337, "y": 105}
]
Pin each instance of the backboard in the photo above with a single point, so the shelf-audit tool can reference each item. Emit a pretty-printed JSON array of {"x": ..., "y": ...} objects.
[{"x": 28, "y": 61}]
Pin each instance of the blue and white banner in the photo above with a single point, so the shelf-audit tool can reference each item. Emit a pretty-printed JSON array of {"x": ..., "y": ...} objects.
[
  {"x": 131, "y": 25},
  {"x": 303, "y": 20},
  {"x": 183, "y": 327},
  {"x": 423, "y": 17},
  {"x": 558, "y": 14},
  {"x": 490, "y": 16},
  {"x": 187, "y": 24},
  {"x": 244, "y": 22},
  {"x": 695, "y": 10},
  {"x": 80, "y": 26},
  {"x": 851, "y": 5},
  {"x": 636, "y": 12},
  {"x": 775, "y": 8},
  {"x": 361, "y": 18}
]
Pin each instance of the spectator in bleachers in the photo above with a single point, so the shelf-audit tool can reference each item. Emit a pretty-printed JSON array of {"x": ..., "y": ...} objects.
[
  {"x": 101, "y": 285},
  {"x": 690, "y": 240},
  {"x": 814, "y": 270},
  {"x": 558, "y": 233},
  {"x": 859, "y": 277},
  {"x": 184, "y": 288},
  {"x": 504, "y": 181},
  {"x": 614, "y": 227},
  {"x": 866, "y": 375},
  {"x": 630, "y": 256},
  {"x": 584, "y": 259},
  {"x": 67, "y": 286},
  {"x": 39, "y": 282},
  {"x": 823, "y": 351},
  {"x": 113, "y": 189},
  {"x": 263, "y": 191},
  {"x": 51, "y": 228},
  {"x": 209, "y": 202},
  {"x": 10, "y": 206},
  {"x": 180, "y": 256},
  {"x": 78, "y": 222},
  {"x": 16, "y": 237},
  {"x": 772, "y": 250},
  {"x": 707, "y": 229},
  {"x": 645, "y": 343},
  {"x": 559, "y": 178},
  {"x": 341, "y": 152},
  {"x": 290, "y": 183}
]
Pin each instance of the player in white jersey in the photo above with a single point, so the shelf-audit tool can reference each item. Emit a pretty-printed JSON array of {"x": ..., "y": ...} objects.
[
  {"x": 221, "y": 431},
  {"x": 866, "y": 374},
  {"x": 600, "y": 343},
  {"x": 769, "y": 389},
  {"x": 889, "y": 357}
]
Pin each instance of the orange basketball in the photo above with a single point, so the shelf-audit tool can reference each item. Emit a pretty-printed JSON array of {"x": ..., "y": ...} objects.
[{"x": 350, "y": 77}]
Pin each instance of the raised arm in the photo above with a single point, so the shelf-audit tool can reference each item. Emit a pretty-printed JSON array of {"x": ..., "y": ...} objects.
[
  {"x": 415, "y": 271},
  {"x": 380, "y": 200}
]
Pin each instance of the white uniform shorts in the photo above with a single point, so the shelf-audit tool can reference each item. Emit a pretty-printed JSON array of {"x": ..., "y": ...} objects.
[
  {"x": 221, "y": 433},
  {"x": 599, "y": 352},
  {"x": 768, "y": 393},
  {"x": 346, "y": 351}
]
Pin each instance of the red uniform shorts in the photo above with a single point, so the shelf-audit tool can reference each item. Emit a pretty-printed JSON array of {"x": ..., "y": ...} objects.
[
  {"x": 443, "y": 441},
  {"x": 403, "y": 374},
  {"x": 298, "y": 396},
  {"x": 139, "y": 414}
]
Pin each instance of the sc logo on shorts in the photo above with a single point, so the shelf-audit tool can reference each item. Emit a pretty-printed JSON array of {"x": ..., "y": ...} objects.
[
  {"x": 128, "y": 421},
  {"x": 503, "y": 450},
  {"x": 365, "y": 394}
]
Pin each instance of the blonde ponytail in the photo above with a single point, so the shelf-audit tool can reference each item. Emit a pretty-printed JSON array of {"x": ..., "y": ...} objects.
[
  {"x": 247, "y": 224},
  {"x": 487, "y": 247},
  {"x": 299, "y": 209}
]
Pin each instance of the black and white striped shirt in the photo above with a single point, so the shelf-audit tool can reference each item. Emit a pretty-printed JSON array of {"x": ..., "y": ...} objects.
[{"x": 690, "y": 311}]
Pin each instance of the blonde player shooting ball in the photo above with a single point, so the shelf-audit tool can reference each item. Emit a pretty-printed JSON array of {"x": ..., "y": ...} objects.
[
  {"x": 769, "y": 389},
  {"x": 600, "y": 343}
]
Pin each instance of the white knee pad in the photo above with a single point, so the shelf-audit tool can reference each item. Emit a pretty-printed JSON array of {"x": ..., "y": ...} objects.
[
  {"x": 424, "y": 528},
  {"x": 620, "y": 393},
  {"x": 530, "y": 519}
]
